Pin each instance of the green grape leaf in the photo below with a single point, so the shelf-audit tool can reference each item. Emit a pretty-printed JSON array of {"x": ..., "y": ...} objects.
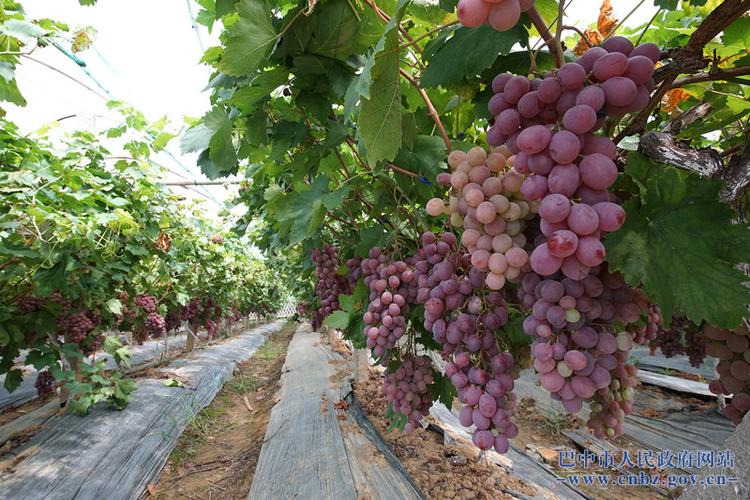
[
  {"x": 380, "y": 115},
  {"x": 114, "y": 306},
  {"x": 469, "y": 52},
  {"x": 195, "y": 139},
  {"x": 300, "y": 213},
  {"x": 442, "y": 389},
  {"x": 666, "y": 4},
  {"x": 13, "y": 379},
  {"x": 224, "y": 7},
  {"x": 221, "y": 151},
  {"x": 423, "y": 157},
  {"x": 679, "y": 242},
  {"x": 250, "y": 38},
  {"x": 21, "y": 29},
  {"x": 737, "y": 34},
  {"x": 9, "y": 92},
  {"x": 261, "y": 86},
  {"x": 399, "y": 422},
  {"x": 337, "y": 319}
]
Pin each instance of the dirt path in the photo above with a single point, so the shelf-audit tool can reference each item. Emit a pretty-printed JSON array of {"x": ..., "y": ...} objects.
[{"x": 216, "y": 455}]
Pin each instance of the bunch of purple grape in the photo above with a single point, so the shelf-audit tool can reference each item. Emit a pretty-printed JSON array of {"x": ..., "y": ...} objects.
[
  {"x": 682, "y": 337},
  {"x": 75, "y": 327},
  {"x": 486, "y": 396},
  {"x": 146, "y": 302},
  {"x": 463, "y": 319},
  {"x": 407, "y": 389},
  {"x": 29, "y": 304},
  {"x": 355, "y": 273},
  {"x": 732, "y": 348},
  {"x": 391, "y": 291},
  {"x": 577, "y": 352},
  {"x": 329, "y": 285},
  {"x": 172, "y": 320},
  {"x": 450, "y": 288},
  {"x": 45, "y": 384}
]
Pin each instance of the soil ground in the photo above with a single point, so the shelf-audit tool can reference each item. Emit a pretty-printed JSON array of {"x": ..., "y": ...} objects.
[
  {"x": 455, "y": 472},
  {"x": 216, "y": 455}
]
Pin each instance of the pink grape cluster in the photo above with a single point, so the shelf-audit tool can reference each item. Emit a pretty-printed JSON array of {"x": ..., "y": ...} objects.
[
  {"x": 155, "y": 324},
  {"x": 328, "y": 284},
  {"x": 463, "y": 319},
  {"x": 550, "y": 123},
  {"x": 611, "y": 404},
  {"x": 558, "y": 302},
  {"x": 486, "y": 396},
  {"x": 732, "y": 348},
  {"x": 502, "y": 15},
  {"x": 682, "y": 337},
  {"x": 390, "y": 294},
  {"x": 647, "y": 332},
  {"x": 75, "y": 327},
  {"x": 407, "y": 389},
  {"x": 146, "y": 302},
  {"x": 456, "y": 311},
  {"x": 575, "y": 351},
  {"x": 45, "y": 384},
  {"x": 485, "y": 201}
]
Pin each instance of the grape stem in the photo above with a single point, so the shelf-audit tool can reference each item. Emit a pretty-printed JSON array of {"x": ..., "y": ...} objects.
[
  {"x": 690, "y": 56},
  {"x": 402, "y": 170},
  {"x": 583, "y": 36},
  {"x": 559, "y": 30},
  {"x": 711, "y": 75},
  {"x": 543, "y": 29},
  {"x": 431, "y": 111}
]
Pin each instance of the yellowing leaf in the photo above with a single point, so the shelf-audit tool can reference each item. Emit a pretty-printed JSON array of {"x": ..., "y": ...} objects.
[
  {"x": 607, "y": 21},
  {"x": 593, "y": 37},
  {"x": 673, "y": 98}
]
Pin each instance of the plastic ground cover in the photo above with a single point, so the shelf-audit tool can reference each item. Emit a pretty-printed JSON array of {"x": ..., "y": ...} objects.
[{"x": 114, "y": 455}]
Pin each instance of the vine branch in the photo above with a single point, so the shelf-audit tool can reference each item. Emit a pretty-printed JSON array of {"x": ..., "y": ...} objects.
[
  {"x": 431, "y": 111},
  {"x": 543, "y": 29},
  {"x": 689, "y": 58}
]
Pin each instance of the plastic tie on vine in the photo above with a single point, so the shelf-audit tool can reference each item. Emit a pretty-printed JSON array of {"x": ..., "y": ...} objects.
[{"x": 424, "y": 180}]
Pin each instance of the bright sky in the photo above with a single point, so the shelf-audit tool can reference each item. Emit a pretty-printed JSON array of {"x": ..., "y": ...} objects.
[{"x": 146, "y": 52}]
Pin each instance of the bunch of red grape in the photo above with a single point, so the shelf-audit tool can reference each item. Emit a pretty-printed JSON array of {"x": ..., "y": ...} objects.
[
  {"x": 172, "y": 320},
  {"x": 486, "y": 396},
  {"x": 329, "y": 285},
  {"x": 146, "y": 302},
  {"x": 463, "y": 319},
  {"x": 155, "y": 325},
  {"x": 574, "y": 302},
  {"x": 355, "y": 273},
  {"x": 29, "y": 304},
  {"x": 45, "y": 384},
  {"x": 390, "y": 294},
  {"x": 681, "y": 338},
  {"x": 732, "y": 348},
  {"x": 485, "y": 201},
  {"x": 199, "y": 311},
  {"x": 407, "y": 389},
  {"x": 75, "y": 327},
  {"x": 502, "y": 15}
]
